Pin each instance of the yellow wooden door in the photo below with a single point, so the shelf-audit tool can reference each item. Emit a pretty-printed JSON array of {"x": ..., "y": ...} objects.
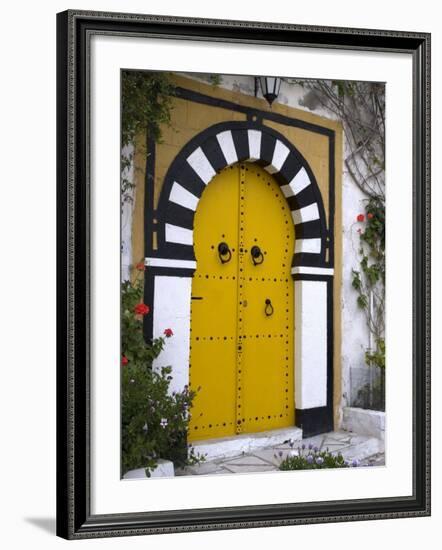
[{"x": 241, "y": 354}]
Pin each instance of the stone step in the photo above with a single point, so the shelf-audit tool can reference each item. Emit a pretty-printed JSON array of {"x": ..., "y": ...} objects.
[
  {"x": 225, "y": 447},
  {"x": 360, "y": 451},
  {"x": 364, "y": 421}
]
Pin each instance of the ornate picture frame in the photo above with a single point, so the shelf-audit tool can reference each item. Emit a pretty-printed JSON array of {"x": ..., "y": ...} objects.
[{"x": 76, "y": 518}]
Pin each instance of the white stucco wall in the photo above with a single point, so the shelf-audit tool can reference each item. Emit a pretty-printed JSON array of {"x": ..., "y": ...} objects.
[
  {"x": 126, "y": 220},
  {"x": 172, "y": 301},
  {"x": 310, "y": 344},
  {"x": 355, "y": 336}
]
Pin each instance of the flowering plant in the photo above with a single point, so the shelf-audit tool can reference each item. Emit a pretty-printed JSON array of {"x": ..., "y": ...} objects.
[
  {"x": 141, "y": 309},
  {"x": 154, "y": 421},
  {"x": 369, "y": 280},
  {"x": 311, "y": 458}
]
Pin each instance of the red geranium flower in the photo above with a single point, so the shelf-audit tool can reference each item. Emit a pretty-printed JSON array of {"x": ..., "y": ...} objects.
[
  {"x": 168, "y": 332},
  {"x": 140, "y": 266},
  {"x": 124, "y": 360},
  {"x": 370, "y": 216},
  {"x": 360, "y": 218},
  {"x": 141, "y": 309}
]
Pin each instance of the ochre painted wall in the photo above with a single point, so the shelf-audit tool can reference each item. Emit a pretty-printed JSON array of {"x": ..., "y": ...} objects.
[{"x": 190, "y": 118}]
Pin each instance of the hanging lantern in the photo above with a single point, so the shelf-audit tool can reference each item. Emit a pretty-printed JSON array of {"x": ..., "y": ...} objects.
[{"x": 270, "y": 87}]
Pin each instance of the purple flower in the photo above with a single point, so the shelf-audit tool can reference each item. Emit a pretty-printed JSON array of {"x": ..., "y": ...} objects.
[
  {"x": 319, "y": 460},
  {"x": 355, "y": 463},
  {"x": 280, "y": 454},
  {"x": 346, "y": 462},
  {"x": 315, "y": 449},
  {"x": 303, "y": 446},
  {"x": 310, "y": 446},
  {"x": 163, "y": 422},
  {"x": 309, "y": 459}
]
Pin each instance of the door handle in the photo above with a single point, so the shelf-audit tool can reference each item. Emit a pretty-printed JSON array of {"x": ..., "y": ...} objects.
[
  {"x": 224, "y": 253},
  {"x": 257, "y": 256},
  {"x": 197, "y": 297},
  {"x": 268, "y": 310}
]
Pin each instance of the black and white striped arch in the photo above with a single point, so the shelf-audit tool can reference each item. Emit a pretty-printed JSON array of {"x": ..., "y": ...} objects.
[
  {"x": 223, "y": 145},
  {"x": 168, "y": 283}
]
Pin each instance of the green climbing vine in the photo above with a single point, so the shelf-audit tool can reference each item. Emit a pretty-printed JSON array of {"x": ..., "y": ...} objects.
[
  {"x": 369, "y": 279},
  {"x": 146, "y": 99}
]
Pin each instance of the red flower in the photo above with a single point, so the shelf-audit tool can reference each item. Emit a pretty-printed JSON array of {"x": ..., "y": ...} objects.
[
  {"x": 168, "y": 332},
  {"x": 370, "y": 216},
  {"x": 141, "y": 309},
  {"x": 124, "y": 360},
  {"x": 360, "y": 218},
  {"x": 140, "y": 266}
]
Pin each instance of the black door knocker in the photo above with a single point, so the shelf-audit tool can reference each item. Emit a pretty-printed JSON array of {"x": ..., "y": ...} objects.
[
  {"x": 257, "y": 255},
  {"x": 269, "y": 307},
  {"x": 224, "y": 253}
]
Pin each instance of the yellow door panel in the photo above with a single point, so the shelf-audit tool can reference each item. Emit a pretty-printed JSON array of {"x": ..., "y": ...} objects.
[
  {"x": 267, "y": 384},
  {"x": 213, "y": 369},
  {"x": 267, "y": 307},
  {"x": 214, "y": 307},
  {"x": 242, "y": 306},
  {"x": 267, "y": 224},
  {"x": 265, "y": 314},
  {"x": 216, "y": 222}
]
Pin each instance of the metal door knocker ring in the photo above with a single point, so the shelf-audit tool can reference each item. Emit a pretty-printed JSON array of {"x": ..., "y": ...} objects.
[
  {"x": 269, "y": 308},
  {"x": 224, "y": 253},
  {"x": 257, "y": 256}
]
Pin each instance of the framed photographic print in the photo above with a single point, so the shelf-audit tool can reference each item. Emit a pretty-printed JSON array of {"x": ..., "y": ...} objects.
[{"x": 243, "y": 274}]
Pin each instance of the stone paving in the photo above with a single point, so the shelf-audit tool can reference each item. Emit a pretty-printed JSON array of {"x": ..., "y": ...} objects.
[{"x": 368, "y": 451}]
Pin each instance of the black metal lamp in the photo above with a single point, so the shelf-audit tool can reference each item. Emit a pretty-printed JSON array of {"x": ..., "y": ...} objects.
[{"x": 270, "y": 86}]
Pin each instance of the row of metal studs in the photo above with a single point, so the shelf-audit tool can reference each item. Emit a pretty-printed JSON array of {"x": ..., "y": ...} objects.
[{"x": 240, "y": 306}]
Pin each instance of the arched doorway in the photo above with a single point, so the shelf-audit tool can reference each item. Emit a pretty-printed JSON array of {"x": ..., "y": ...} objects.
[
  {"x": 242, "y": 312},
  {"x": 172, "y": 264}
]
